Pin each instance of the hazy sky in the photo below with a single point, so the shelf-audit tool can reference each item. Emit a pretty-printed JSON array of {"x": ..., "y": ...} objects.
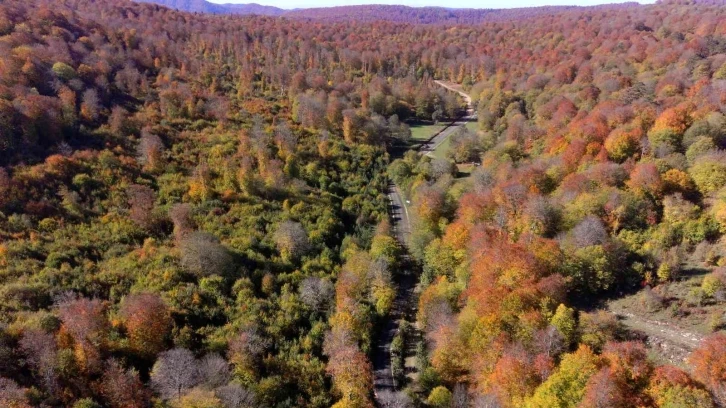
[{"x": 287, "y": 4}]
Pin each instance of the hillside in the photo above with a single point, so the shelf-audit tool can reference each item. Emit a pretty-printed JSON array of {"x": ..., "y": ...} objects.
[
  {"x": 419, "y": 15},
  {"x": 369, "y": 13}
]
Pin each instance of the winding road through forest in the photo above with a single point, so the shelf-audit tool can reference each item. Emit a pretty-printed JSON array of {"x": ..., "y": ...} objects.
[
  {"x": 384, "y": 381},
  {"x": 430, "y": 145}
]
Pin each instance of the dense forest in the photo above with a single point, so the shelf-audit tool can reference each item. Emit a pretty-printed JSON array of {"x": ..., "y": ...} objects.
[{"x": 193, "y": 207}]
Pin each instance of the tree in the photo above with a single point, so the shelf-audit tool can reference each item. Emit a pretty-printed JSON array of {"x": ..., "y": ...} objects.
[
  {"x": 198, "y": 398},
  {"x": 90, "y": 105},
  {"x": 292, "y": 240},
  {"x": 709, "y": 172},
  {"x": 623, "y": 144},
  {"x": 64, "y": 71},
  {"x": 440, "y": 397},
  {"x": 714, "y": 282},
  {"x": 148, "y": 323},
  {"x": 203, "y": 255},
  {"x": 11, "y": 395},
  {"x": 150, "y": 149},
  {"x": 630, "y": 369},
  {"x": 429, "y": 204},
  {"x": 86, "y": 403},
  {"x": 246, "y": 350},
  {"x": 236, "y": 396},
  {"x": 646, "y": 180},
  {"x": 593, "y": 268},
  {"x": 465, "y": 146},
  {"x": 566, "y": 387},
  {"x": 393, "y": 399},
  {"x": 672, "y": 387},
  {"x": 399, "y": 130},
  {"x": 441, "y": 168},
  {"x": 460, "y": 396},
  {"x": 85, "y": 321},
  {"x": 174, "y": 373},
  {"x": 382, "y": 291},
  {"x": 709, "y": 365},
  {"x": 487, "y": 401},
  {"x": 41, "y": 351},
  {"x": 386, "y": 248},
  {"x": 213, "y": 371},
  {"x": 599, "y": 328},
  {"x": 181, "y": 216},
  {"x": 349, "y": 367},
  {"x": 118, "y": 121},
  {"x": 549, "y": 341},
  {"x": 701, "y": 146},
  {"x": 514, "y": 377},
  {"x": 602, "y": 391},
  {"x": 122, "y": 388},
  {"x": 316, "y": 293},
  {"x": 142, "y": 200},
  {"x": 565, "y": 323}
]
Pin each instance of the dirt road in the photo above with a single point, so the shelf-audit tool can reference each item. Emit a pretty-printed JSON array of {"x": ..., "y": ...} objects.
[
  {"x": 469, "y": 116},
  {"x": 404, "y": 303}
]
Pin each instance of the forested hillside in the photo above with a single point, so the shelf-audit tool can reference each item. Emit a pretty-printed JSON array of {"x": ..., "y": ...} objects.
[
  {"x": 193, "y": 206},
  {"x": 371, "y": 13}
]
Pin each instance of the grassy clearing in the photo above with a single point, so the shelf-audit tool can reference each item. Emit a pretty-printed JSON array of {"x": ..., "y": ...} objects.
[
  {"x": 424, "y": 131},
  {"x": 442, "y": 149}
]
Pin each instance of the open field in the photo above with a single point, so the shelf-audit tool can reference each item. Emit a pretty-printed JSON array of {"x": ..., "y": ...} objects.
[
  {"x": 423, "y": 131},
  {"x": 442, "y": 149}
]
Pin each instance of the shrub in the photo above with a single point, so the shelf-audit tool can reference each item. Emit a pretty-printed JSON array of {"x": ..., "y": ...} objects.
[
  {"x": 622, "y": 145},
  {"x": 203, "y": 255},
  {"x": 86, "y": 403},
  {"x": 440, "y": 397},
  {"x": 667, "y": 138},
  {"x": 696, "y": 296},
  {"x": 292, "y": 240},
  {"x": 712, "y": 283},
  {"x": 709, "y": 172},
  {"x": 64, "y": 71},
  {"x": 650, "y": 301},
  {"x": 700, "y": 146}
]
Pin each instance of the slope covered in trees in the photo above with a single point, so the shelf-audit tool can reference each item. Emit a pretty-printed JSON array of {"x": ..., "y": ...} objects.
[
  {"x": 192, "y": 206},
  {"x": 371, "y": 13},
  {"x": 600, "y": 139}
]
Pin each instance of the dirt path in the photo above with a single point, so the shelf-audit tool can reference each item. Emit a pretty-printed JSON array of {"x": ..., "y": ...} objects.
[
  {"x": 431, "y": 145},
  {"x": 455, "y": 88},
  {"x": 384, "y": 380},
  {"x": 404, "y": 305},
  {"x": 672, "y": 343}
]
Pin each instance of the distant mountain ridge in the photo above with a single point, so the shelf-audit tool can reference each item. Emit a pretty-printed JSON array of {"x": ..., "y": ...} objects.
[
  {"x": 373, "y": 12},
  {"x": 203, "y": 6}
]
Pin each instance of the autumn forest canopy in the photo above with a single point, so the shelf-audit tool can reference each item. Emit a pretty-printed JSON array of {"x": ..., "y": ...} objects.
[{"x": 196, "y": 208}]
